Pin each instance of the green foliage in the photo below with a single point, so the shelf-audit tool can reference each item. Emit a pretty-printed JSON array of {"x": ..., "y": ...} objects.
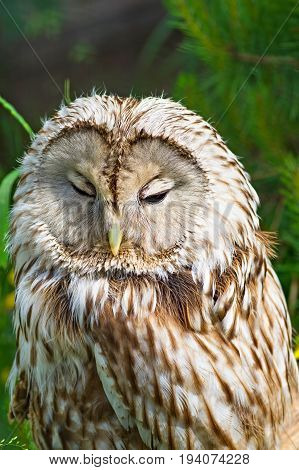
[
  {"x": 5, "y": 196},
  {"x": 7, "y": 185},
  {"x": 13, "y": 441},
  {"x": 17, "y": 116},
  {"x": 38, "y": 18},
  {"x": 238, "y": 69},
  {"x": 82, "y": 52},
  {"x": 67, "y": 91}
]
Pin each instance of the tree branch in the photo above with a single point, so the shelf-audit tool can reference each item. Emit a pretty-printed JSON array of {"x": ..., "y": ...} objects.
[{"x": 267, "y": 59}]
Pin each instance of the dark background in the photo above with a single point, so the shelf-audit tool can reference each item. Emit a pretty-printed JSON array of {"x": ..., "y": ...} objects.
[{"x": 110, "y": 45}]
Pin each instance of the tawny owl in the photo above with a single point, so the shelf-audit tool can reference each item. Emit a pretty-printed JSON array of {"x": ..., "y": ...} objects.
[{"x": 147, "y": 311}]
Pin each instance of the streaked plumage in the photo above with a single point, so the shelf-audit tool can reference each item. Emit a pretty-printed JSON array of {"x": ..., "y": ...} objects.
[{"x": 178, "y": 339}]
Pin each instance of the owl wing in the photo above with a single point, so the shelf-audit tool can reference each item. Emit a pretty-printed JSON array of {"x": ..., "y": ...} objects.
[
  {"x": 19, "y": 405},
  {"x": 180, "y": 389}
]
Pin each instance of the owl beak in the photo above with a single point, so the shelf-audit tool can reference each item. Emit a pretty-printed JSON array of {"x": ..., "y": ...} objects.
[{"x": 115, "y": 237}]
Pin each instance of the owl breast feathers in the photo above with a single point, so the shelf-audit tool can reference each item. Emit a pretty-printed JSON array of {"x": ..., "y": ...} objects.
[{"x": 147, "y": 311}]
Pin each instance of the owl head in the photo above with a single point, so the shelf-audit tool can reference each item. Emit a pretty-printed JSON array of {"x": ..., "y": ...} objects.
[{"x": 119, "y": 186}]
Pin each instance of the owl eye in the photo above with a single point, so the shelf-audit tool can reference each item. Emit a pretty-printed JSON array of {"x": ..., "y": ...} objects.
[
  {"x": 84, "y": 188},
  {"x": 155, "y": 198}
]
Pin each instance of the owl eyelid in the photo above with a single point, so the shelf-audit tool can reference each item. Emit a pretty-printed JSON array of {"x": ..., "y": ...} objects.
[
  {"x": 155, "y": 190},
  {"x": 82, "y": 192},
  {"x": 155, "y": 198}
]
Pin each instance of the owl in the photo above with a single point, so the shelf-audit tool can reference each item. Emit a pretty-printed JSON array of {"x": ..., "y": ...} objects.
[{"x": 148, "y": 315}]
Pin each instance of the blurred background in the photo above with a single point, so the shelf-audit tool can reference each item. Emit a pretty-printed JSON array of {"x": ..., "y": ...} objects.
[{"x": 235, "y": 62}]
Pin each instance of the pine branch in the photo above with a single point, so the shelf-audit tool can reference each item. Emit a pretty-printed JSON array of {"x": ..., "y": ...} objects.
[{"x": 267, "y": 59}]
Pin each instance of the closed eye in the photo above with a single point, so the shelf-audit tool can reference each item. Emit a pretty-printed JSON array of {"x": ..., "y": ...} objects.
[
  {"x": 81, "y": 185},
  {"x": 82, "y": 192},
  {"x": 155, "y": 198}
]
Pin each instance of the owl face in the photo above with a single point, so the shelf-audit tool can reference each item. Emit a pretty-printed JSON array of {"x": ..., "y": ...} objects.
[
  {"x": 115, "y": 198},
  {"x": 139, "y": 186}
]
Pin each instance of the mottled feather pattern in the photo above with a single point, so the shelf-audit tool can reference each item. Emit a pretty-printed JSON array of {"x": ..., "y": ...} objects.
[{"x": 185, "y": 347}]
